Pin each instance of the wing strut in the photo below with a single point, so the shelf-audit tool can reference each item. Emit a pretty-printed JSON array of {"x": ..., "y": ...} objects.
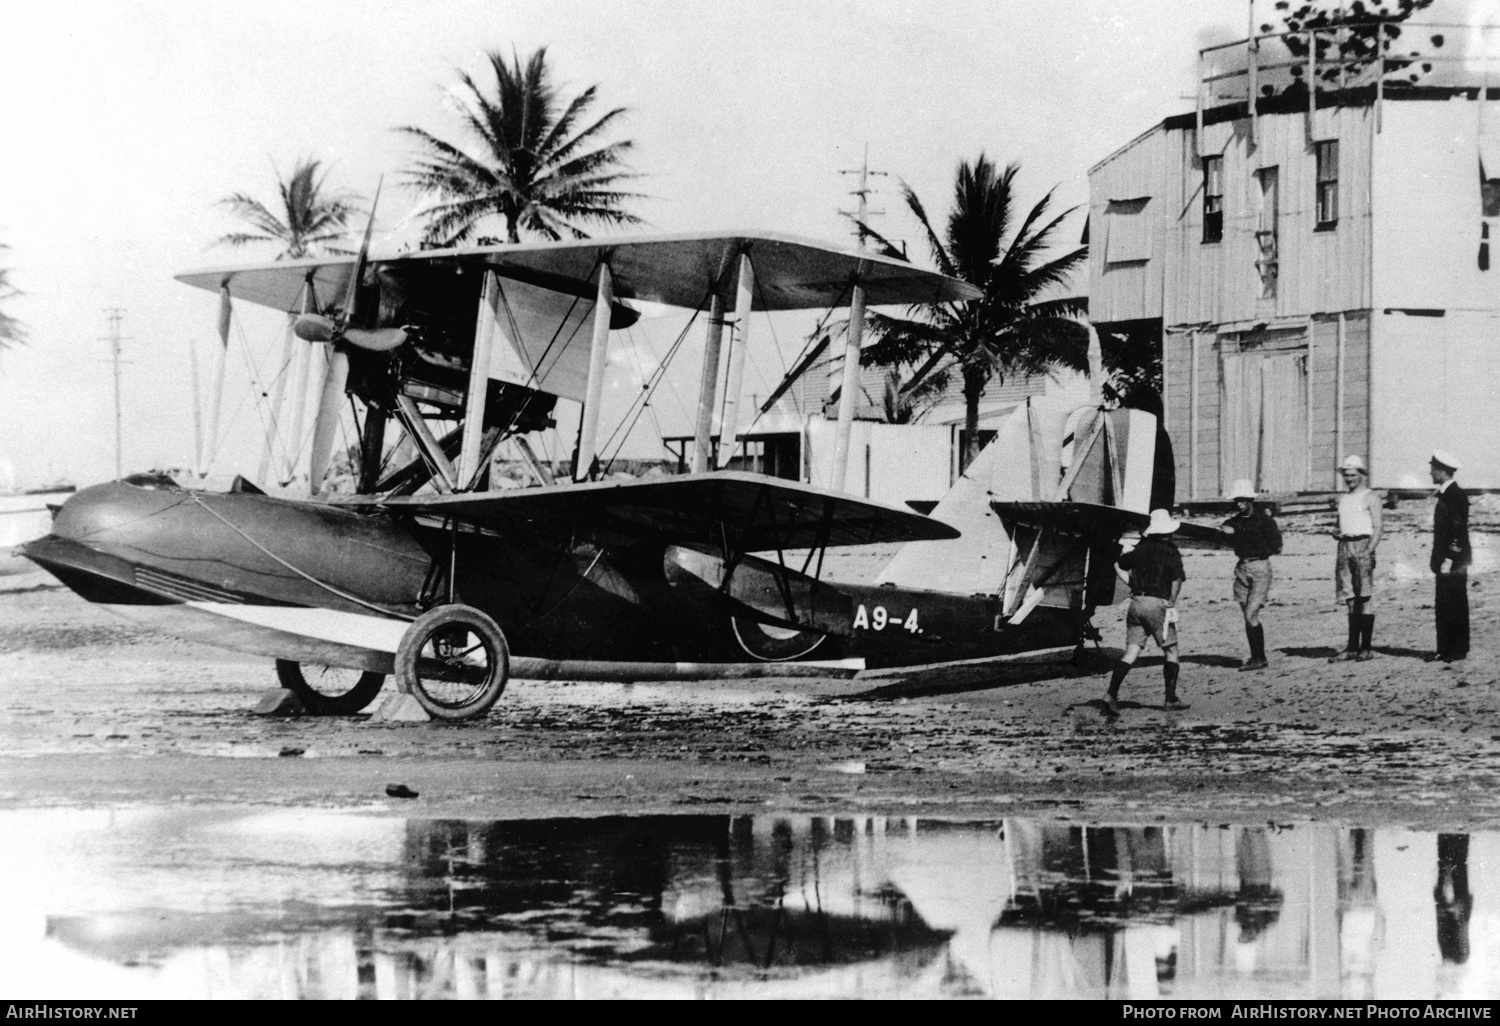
[
  {"x": 469, "y": 464},
  {"x": 588, "y": 428},
  {"x": 708, "y": 383},
  {"x": 739, "y": 339},
  {"x": 427, "y": 445},
  {"x": 216, "y": 400},
  {"x": 852, "y": 342}
]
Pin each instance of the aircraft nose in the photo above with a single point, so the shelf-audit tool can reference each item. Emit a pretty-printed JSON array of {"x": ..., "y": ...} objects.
[{"x": 108, "y": 509}]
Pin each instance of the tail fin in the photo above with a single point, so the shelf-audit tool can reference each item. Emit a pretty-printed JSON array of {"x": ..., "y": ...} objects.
[{"x": 1049, "y": 450}]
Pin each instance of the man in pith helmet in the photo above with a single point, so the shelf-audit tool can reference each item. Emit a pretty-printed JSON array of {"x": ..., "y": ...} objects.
[
  {"x": 1153, "y": 569},
  {"x": 1359, "y": 528},
  {"x": 1255, "y": 538}
]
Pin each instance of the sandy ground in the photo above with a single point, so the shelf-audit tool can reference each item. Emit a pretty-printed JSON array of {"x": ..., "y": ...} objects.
[{"x": 94, "y": 711}]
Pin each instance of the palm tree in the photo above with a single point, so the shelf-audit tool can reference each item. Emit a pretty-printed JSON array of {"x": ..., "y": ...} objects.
[
  {"x": 11, "y": 330},
  {"x": 535, "y": 164},
  {"x": 1008, "y": 330},
  {"x": 310, "y": 220}
]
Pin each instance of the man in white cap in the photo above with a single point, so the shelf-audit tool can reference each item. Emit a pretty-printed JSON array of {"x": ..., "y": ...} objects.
[
  {"x": 1255, "y": 539},
  {"x": 1359, "y": 531},
  {"x": 1450, "y": 560},
  {"x": 1153, "y": 569}
]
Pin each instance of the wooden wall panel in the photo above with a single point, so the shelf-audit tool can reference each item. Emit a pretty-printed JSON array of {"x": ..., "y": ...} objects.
[
  {"x": 1130, "y": 291},
  {"x": 1177, "y": 399},
  {"x": 1188, "y": 281},
  {"x": 1323, "y": 386},
  {"x": 1208, "y": 393}
]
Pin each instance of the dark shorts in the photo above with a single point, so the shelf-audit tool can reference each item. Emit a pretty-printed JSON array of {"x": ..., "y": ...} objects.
[
  {"x": 1252, "y": 582},
  {"x": 1147, "y": 617},
  {"x": 1354, "y": 572}
]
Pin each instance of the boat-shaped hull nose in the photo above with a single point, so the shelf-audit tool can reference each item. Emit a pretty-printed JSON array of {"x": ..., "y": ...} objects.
[
  {"x": 240, "y": 570},
  {"x": 114, "y": 511}
]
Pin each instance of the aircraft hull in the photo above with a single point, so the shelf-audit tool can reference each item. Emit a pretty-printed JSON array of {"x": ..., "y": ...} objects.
[
  {"x": 326, "y": 586},
  {"x": 317, "y": 584}
]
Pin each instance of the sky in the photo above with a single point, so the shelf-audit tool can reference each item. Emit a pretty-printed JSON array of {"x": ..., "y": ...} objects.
[{"x": 125, "y": 124}]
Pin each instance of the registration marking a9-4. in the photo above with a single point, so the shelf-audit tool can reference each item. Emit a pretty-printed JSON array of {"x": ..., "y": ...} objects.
[{"x": 877, "y": 619}]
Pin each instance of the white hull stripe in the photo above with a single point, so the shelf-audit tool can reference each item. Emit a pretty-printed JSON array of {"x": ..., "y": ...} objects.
[
  {"x": 358, "y": 630},
  {"x": 333, "y": 638}
]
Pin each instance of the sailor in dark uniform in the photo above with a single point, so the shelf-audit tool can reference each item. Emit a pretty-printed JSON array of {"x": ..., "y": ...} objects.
[{"x": 1450, "y": 561}]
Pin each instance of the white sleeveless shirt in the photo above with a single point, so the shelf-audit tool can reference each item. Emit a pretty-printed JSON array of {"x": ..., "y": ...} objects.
[{"x": 1354, "y": 516}]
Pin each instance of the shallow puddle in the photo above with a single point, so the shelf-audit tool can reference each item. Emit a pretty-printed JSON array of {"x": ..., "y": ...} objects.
[{"x": 262, "y": 904}]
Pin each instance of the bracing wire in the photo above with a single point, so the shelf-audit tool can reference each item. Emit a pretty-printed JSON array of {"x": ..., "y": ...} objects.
[
  {"x": 541, "y": 361},
  {"x": 639, "y": 404},
  {"x": 817, "y": 332},
  {"x": 300, "y": 573},
  {"x": 226, "y": 427}
]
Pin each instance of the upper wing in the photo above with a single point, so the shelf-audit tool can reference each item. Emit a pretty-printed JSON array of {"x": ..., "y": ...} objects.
[
  {"x": 1108, "y": 523},
  {"x": 677, "y": 270},
  {"x": 727, "y": 510}
]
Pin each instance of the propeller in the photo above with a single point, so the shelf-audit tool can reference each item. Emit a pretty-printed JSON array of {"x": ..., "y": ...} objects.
[
  {"x": 313, "y": 327},
  {"x": 320, "y": 328}
]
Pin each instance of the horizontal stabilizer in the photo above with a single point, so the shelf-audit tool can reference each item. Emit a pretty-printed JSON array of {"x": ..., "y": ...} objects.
[{"x": 1100, "y": 523}]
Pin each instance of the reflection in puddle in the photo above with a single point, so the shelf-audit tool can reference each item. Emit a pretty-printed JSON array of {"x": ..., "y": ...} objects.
[{"x": 281, "y": 904}]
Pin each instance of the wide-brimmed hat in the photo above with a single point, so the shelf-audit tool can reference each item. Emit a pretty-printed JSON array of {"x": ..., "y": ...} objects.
[
  {"x": 1444, "y": 458},
  {"x": 1162, "y": 522},
  {"x": 1354, "y": 463},
  {"x": 1242, "y": 489}
]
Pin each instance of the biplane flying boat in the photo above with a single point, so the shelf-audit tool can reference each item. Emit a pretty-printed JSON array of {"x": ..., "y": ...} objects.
[{"x": 427, "y": 574}]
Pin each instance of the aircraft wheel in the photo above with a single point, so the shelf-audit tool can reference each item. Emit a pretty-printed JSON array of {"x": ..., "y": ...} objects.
[
  {"x": 454, "y": 660},
  {"x": 329, "y": 690},
  {"x": 771, "y": 644}
]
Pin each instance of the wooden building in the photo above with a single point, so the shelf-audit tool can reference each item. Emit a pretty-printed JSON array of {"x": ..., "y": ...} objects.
[{"x": 1319, "y": 273}]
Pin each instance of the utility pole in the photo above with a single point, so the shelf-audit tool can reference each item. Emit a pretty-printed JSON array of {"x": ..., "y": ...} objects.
[
  {"x": 862, "y": 211},
  {"x": 853, "y": 336},
  {"x": 115, "y": 314}
]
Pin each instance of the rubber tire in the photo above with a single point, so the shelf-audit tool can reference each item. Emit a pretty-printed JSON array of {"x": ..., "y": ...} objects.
[
  {"x": 756, "y": 641},
  {"x": 421, "y": 631},
  {"x": 322, "y": 704}
]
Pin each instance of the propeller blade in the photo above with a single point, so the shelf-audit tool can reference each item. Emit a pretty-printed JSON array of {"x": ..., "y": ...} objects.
[
  {"x": 330, "y": 406},
  {"x": 376, "y": 340},
  {"x": 311, "y": 327},
  {"x": 352, "y": 296}
]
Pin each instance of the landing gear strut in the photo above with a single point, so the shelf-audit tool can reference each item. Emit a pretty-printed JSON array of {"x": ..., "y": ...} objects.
[{"x": 454, "y": 661}]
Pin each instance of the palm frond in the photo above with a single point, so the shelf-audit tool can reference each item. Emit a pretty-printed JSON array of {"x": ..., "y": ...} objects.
[
  {"x": 12, "y": 331},
  {"x": 311, "y": 217},
  {"x": 934, "y": 244},
  {"x": 535, "y": 167}
]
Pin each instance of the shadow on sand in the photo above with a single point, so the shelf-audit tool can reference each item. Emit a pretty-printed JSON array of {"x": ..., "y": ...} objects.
[
  {"x": 1325, "y": 652},
  {"x": 1210, "y": 660},
  {"x": 1098, "y": 705},
  {"x": 953, "y": 680},
  {"x": 1321, "y": 652}
]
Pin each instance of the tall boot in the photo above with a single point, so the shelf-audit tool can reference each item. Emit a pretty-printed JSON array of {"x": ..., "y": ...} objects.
[
  {"x": 1366, "y": 632},
  {"x": 1256, "y": 635},
  {"x": 1351, "y": 650},
  {"x": 1112, "y": 696},
  {"x": 1169, "y": 672}
]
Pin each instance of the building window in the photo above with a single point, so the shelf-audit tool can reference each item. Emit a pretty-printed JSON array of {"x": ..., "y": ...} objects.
[
  {"x": 1129, "y": 238},
  {"x": 1328, "y": 183},
  {"x": 1213, "y": 199},
  {"x": 1267, "y": 258}
]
